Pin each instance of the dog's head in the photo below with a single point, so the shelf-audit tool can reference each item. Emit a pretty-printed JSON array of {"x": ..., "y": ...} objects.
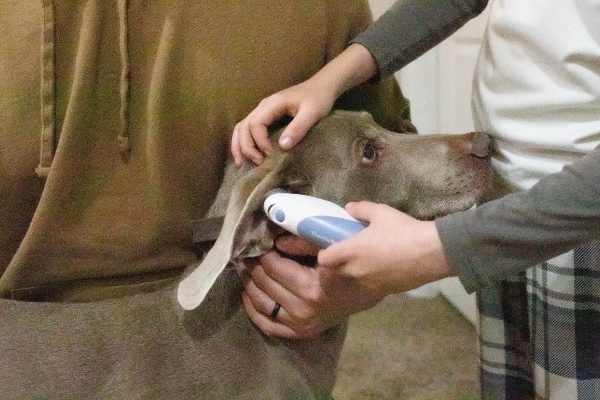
[
  {"x": 348, "y": 157},
  {"x": 345, "y": 157}
]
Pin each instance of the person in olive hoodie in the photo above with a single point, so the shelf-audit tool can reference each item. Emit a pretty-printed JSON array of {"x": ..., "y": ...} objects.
[{"x": 114, "y": 130}]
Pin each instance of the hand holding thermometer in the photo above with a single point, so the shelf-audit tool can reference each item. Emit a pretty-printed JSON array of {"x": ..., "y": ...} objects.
[{"x": 316, "y": 220}]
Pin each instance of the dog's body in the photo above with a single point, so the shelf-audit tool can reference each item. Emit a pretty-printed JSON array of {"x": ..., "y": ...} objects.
[{"x": 147, "y": 346}]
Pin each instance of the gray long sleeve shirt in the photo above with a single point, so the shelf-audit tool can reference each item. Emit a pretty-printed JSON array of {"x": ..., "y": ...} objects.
[{"x": 510, "y": 234}]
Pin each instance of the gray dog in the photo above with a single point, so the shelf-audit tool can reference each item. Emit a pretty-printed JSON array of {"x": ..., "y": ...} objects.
[
  {"x": 148, "y": 346},
  {"x": 346, "y": 157}
]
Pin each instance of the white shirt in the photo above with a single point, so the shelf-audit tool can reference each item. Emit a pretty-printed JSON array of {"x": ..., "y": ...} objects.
[{"x": 539, "y": 99}]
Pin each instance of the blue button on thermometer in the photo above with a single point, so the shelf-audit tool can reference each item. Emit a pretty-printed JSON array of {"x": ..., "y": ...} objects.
[{"x": 316, "y": 220}]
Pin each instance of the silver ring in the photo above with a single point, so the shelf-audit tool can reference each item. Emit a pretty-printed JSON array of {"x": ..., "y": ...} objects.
[{"x": 275, "y": 311}]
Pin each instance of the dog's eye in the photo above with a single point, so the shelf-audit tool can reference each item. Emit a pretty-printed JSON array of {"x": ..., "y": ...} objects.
[{"x": 369, "y": 153}]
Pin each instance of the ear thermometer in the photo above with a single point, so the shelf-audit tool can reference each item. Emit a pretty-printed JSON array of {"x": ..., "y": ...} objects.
[{"x": 316, "y": 220}]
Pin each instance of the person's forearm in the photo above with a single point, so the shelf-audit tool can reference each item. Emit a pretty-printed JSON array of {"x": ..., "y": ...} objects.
[
  {"x": 515, "y": 232},
  {"x": 352, "y": 67},
  {"x": 411, "y": 27}
]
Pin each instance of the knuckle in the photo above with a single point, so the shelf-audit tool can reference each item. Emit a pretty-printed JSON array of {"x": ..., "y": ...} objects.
[
  {"x": 302, "y": 315},
  {"x": 314, "y": 296},
  {"x": 254, "y": 126},
  {"x": 240, "y": 127},
  {"x": 310, "y": 331},
  {"x": 274, "y": 98},
  {"x": 265, "y": 100}
]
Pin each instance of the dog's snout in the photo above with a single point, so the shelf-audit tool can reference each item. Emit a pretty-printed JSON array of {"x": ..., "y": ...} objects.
[{"x": 480, "y": 145}]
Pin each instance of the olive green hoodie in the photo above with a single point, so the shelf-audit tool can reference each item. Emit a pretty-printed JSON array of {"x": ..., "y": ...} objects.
[{"x": 115, "y": 118}]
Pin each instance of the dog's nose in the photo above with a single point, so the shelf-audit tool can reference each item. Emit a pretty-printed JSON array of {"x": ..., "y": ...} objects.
[{"x": 480, "y": 145}]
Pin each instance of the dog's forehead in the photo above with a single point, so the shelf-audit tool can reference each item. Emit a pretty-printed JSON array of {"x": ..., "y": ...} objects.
[
  {"x": 356, "y": 119},
  {"x": 341, "y": 136},
  {"x": 350, "y": 124}
]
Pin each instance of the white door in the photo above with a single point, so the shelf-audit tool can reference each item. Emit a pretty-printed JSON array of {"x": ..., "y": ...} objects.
[{"x": 438, "y": 85}]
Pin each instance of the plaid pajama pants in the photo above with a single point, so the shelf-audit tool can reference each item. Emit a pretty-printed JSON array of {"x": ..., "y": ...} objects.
[{"x": 540, "y": 331}]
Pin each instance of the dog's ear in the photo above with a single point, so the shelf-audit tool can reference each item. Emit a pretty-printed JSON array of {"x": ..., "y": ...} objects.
[
  {"x": 244, "y": 232},
  {"x": 406, "y": 126}
]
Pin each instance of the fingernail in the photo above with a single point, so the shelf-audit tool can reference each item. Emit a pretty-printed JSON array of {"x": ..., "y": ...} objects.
[{"x": 286, "y": 142}]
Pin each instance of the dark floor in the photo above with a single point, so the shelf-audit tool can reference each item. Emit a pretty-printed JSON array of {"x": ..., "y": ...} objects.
[{"x": 409, "y": 348}]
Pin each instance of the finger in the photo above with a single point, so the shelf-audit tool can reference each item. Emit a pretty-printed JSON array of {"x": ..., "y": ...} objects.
[
  {"x": 247, "y": 144},
  {"x": 265, "y": 305},
  {"x": 277, "y": 283},
  {"x": 294, "y": 312},
  {"x": 337, "y": 254},
  {"x": 259, "y": 133},
  {"x": 267, "y": 325},
  {"x": 284, "y": 279},
  {"x": 255, "y": 130},
  {"x": 342, "y": 253},
  {"x": 296, "y": 246},
  {"x": 261, "y": 301},
  {"x": 235, "y": 146},
  {"x": 297, "y": 129}
]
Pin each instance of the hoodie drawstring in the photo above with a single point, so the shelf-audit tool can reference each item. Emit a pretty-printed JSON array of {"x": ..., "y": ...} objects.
[
  {"x": 123, "y": 142},
  {"x": 48, "y": 134},
  {"x": 48, "y": 139}
]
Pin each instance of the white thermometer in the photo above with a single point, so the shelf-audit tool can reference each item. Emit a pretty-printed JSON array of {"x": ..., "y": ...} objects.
[{"x": 316, "y": 220}]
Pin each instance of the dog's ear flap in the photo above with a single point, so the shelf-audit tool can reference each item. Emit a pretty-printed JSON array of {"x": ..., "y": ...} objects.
[{"x": 244, "y": 232}]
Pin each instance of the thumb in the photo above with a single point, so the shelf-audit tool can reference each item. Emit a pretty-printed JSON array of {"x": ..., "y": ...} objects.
[
  {"x": 340, "y": 253},
  {"x": 335, "y": 255}
]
